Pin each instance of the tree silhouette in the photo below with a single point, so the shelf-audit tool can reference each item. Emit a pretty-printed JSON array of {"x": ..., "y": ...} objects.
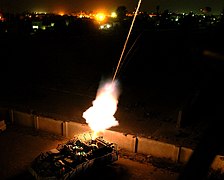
[
  {"x": 206, "y": 9},
  {"x": 157, "y": 9},
  {"x": 121, "y": 12}
]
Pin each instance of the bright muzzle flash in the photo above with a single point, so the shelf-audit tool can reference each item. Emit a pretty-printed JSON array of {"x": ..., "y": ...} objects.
[{"x": 100, "y": 116}]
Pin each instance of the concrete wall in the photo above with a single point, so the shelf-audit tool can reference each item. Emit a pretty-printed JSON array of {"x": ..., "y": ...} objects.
[
  {"x": 23, "y": 119},
  {"x": 73, "y": 128},
  {"x": 50, "y": 125},
  {"x": 123, "y": 141},
  {"x": 129, "y": 142},
  {"x": 218, "y": 163},
  {"x": 158, "y": 149},
  {"x": 185, "y": 154}
]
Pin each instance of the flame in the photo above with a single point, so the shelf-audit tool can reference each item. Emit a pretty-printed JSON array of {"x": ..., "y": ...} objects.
[{"x": 100, "y": 116}]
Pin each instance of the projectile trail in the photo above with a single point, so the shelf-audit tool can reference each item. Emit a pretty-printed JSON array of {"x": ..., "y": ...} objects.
[{"x": 125, "y": 44}]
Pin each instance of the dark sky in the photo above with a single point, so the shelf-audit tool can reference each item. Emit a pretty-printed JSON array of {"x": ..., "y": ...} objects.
[{"x": 109, "y": 5}]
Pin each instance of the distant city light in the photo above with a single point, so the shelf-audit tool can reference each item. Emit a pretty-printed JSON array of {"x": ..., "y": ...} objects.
[
  {"x": 105, "y": 26},
  {"x": 113, "y": 14},
  {"x": 61, "y": 13},
  {"x": 104, "y": 20},
  {"x": 100, "y": 17},
  {"x": 35, "y": 27},
  {"x": 1, "y": 18},
  {"x": 40, "y": 12}
]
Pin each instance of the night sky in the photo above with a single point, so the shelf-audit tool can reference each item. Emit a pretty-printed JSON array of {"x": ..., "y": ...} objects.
[{"x": 68, "y": 6}]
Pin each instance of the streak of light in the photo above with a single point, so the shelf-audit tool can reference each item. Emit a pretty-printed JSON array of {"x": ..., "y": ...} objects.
[{"x": 125, "y": 44}]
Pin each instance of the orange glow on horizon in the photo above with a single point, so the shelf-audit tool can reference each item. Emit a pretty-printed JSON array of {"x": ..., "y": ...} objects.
[
  {"x": 61, "y": 13},
  {"x": 100, "y": 16}
]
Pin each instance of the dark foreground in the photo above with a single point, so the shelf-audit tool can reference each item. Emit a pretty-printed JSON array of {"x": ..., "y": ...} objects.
[{"x": 19, "y": 147}]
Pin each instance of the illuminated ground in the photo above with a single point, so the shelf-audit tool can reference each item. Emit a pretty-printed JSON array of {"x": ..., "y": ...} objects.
[
  {"x": 58, "y": 76},
  {"x": 19, "y": 147}
]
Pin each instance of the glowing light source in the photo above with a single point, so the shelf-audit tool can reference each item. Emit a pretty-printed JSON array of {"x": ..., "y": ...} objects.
[
  {"x": 35, "y": 27},
  {"x": 113, "y": 15},
  {"x": 100, "y": 17},
  {"x": 61, "y": 13},
  {"x": 100, "y": 116},
  {"x": 105, "y": 26}
]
